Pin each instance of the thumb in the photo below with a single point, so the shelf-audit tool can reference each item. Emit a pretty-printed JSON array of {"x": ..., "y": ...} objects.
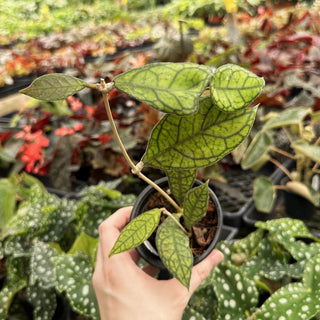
[{"x": 201, "y": 271}]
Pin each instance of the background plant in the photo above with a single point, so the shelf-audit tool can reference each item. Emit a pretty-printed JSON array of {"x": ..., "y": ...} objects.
[
  {"x": 271, "y": 273},
  {"x": 303, "y": 148},
  {"x": 48, "y": 246}
]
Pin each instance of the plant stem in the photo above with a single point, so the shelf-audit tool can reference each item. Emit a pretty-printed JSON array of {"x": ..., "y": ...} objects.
[
  {"x": 136, "y": 169},
  {"x": 169, "y": 214},
  {"x": 279, "y": 165},
  {"x": 287, "y": 154}
]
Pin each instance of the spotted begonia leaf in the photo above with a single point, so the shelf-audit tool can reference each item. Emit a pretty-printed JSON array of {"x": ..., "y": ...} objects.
[
  {"x": 168, "y": 87},
  {"x": 195, "y": 204},
  {"x": 264, "y": 194},
  {"x": 43, "y": 300},
  {"x": 180, "y": 181},
  {"x": 233, "y": 87},
  {"x": 173, "y": 248},
  {"x": 41, "y": 265},
  {"x": 257, "y": 153},
  {"x": 249, "y": 243},
  {"x": 55, "y": 86},
  {"x": 198, "y": 140},
  {"x": 293, "y": 227},
  {"x": 237, "y": 295},
  {"x": 73, "y": 276},
  {"x": 287, "y": 117},
  {"x": 296, "y": 300},
  {"x": 85, "y": 244},
  {"x": 279, "y": 271},
  {"x": 191, "y": 314},
  {"x": 7, "y": 294},
  {"x": 137, "y": 231}
]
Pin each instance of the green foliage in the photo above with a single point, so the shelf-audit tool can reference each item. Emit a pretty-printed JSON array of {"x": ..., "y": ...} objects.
[
  {"x": 270, "y": 274},
  {"x": 195, "y": 204},
  {"x": 46, "y": 247},
  {"x": 168, "y": 87},
  {"x": 174, "y": 251},
  {"x": 195, "y": 132},
  {"x": 304, "y": 150},
  {"x": 137, "y": 231},
  {"x": 264, "y": 194},
  {"x": 234, "y": 88}
]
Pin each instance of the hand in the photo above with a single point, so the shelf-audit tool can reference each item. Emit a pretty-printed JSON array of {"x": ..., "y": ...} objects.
[{"x": 125, "y": 291}]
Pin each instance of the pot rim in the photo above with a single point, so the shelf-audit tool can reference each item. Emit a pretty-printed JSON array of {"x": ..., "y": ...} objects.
[{"x": 138, "y": 208}]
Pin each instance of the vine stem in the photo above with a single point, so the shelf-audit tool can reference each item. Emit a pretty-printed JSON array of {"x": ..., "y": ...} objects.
[
  {"x": 135, "y": 169},
  {"x": 169, "y": 214},
  {"x": 283, "y": 168}
]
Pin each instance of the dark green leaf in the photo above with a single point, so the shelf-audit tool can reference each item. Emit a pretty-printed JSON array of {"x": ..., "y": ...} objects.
[
  {"x": 197, "y": 140},
  {"x": 168, "y": 87},
  {"x": 55, "y": 86},
  {"x": 173, "y": 248},
  {"x": 137, "y": 231},
  {"x": 195, "y": 204},
  {"x": 234, "y": 88},
  {"x": 180, "y": 181},
  {"x": 264, "y": 194}
]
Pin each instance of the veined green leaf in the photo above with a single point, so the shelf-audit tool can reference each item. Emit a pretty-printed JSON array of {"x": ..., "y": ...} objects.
[
  {"x": 173, "y": 248},
  {"x": 257, "y": 153},
  {"x": 234, "y": 88},
  {"x": 195, "y": 204},
  {"x": 55, "y": 86},
  {"x": 287, "y": 117},
  {"x": 137, "y": 231},
  {"x": 180, "y": 181},
  {"x": 198, "y": 140},
  {"x": 310, "y": 151},
  {"x": 264, "y": 194},
  {"x": 168, "y": 87}
]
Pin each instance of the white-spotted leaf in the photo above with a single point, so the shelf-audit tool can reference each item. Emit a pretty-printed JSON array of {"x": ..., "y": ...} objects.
[
  {"x": 168, "y": 87},
  {"x": 173, "y": 248},
  {"x": 198, "y": 140},
  {"x": 55, "y": 86},
  {"x": 234, "y": 88},
  {"x": 195, "y": 204},
  {"x": 137, "y": 231}
]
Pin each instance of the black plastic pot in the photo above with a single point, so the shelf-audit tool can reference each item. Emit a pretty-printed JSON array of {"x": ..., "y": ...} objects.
[{"x": 146, "y": 250}]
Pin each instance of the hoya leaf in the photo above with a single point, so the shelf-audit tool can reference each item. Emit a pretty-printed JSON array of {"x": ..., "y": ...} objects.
[
  {"x": 310, "y": 151},
  {"x": 195, "y": 204},
  {"x": 180, "y": 181},
  {"x": 73, "y": 276},
  {"x": 137, "y": 231},
  {"x": 234, "y": 88},
  {"x": 295, "y": 299},
  {"x": 55, "y": 86},
  {"x": 264, "y": 194},
  {"x": 168, "y": 87},
  {"x": 236, "y": 293},
  {"x": 44, "y": 302},
  {"x": 173, "y": 248},
  {"x": 257, "y": 153},
  {"x": 287, "y": 117},
  {"x": 198, "y": 140}
]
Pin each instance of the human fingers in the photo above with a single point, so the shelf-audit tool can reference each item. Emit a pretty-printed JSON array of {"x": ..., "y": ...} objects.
[{"x": 201, "y": 271}]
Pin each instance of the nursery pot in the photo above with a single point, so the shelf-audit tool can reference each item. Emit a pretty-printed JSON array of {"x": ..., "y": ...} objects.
[
  {"x": 147, "y": 251},
  {"x": 298, "y": 207}
]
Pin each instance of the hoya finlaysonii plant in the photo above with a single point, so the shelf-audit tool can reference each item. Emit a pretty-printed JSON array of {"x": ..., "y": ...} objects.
[{"x": 206, "y": 117}]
